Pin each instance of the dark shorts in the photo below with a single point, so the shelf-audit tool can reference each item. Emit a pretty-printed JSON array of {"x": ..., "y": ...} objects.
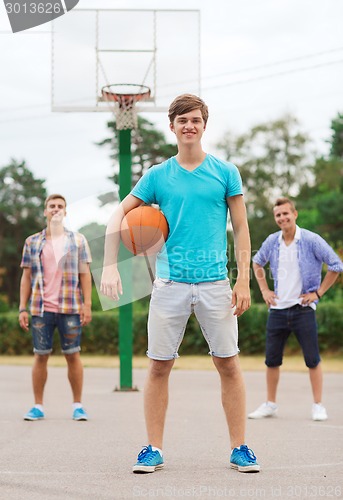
[
  {"x": 281, "y": 323},
  {"x": 69, "y": 329}
]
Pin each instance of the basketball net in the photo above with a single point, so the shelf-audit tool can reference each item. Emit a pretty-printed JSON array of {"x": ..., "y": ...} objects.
[
  {"x": 123, "y": 99},
  {"x": 126, "y": 113}
]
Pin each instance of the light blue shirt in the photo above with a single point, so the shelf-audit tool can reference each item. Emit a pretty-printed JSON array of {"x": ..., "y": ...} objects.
[
  {"x": 312, "y": 250},
  {"x": 194, "y": 204}
]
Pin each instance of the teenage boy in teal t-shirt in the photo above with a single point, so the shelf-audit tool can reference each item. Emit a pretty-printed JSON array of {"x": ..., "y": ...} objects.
[{"x": 194, "y": 190}]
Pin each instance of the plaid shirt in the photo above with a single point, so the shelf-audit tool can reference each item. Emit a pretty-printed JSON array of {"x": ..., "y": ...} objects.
[{"x": 76, "y": 251}]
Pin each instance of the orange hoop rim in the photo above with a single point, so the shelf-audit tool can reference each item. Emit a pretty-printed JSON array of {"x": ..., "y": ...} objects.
[{"x": 112, "y": 92}]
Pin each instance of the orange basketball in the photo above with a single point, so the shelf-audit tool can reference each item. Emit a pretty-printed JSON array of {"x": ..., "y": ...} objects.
[{"x": 144, "y": 230}]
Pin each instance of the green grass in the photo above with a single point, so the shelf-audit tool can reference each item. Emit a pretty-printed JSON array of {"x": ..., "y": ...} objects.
[{"x": 292, "y": 363}]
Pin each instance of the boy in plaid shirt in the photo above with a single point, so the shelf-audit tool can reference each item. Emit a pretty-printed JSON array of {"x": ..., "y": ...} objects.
[{"x": 56, "y": 279}]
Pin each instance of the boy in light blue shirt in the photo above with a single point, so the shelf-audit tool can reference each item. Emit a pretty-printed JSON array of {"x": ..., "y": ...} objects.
[{"x": 194, "y": 190}]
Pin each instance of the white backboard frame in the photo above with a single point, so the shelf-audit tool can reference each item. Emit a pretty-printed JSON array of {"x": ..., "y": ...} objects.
[{"x": 91, "y": 48}]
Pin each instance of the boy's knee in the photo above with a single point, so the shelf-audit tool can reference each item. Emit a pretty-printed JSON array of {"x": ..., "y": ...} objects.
[
  {"x": 160, "y": 368},
  {"x": 312, "y": 363},
  {"x": 228, "y": 367}
]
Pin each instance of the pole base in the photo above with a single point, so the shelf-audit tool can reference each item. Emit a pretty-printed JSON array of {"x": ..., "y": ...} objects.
[{"x": 126, "y": 389}]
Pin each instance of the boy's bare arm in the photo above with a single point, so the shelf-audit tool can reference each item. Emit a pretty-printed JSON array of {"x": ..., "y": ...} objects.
[
  {"x": 241, "y": 290},
  {"x": 86, "y": 287},
  {"x": 110, "y": 280},
  {"x": 25, "y": 294},
  {"x": 267, "y": 294}
]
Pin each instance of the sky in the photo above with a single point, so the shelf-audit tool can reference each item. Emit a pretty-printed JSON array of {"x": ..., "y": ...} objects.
[{"x": 259, "y": 61}]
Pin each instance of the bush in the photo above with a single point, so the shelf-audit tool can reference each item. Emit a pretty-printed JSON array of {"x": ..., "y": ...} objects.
[
  {"x": 101, "y": 335},
  {"x": 4, "y": 307}
]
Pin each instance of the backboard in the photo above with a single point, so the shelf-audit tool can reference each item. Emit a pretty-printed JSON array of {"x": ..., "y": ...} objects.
[{"x": 92, "y": 48}]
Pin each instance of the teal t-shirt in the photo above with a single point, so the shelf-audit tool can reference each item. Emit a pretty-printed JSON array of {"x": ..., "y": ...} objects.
[{"x": 194, "y": 204}]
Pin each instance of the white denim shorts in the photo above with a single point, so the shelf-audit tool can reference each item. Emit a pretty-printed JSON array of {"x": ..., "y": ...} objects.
[{"x": 171, "y": 305}]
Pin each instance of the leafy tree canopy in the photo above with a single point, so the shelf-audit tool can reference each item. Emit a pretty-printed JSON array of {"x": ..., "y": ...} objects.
[
  {"x": 148, "y": 147},
  {"x": 21, "y": 214},
  {"x": 272, "y": 158},
  {"x": 336, "y": 141}
]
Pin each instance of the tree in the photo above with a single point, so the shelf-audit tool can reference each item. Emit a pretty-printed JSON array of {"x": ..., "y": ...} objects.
[
  {"x": 95, "y": 235},
  {"x": 21, "y": 214},
  {"x": 148, "y": 147},
  {"x": 337, "y": 137},
  {"x": 273, "y": 161},
  {"x": 321, "y": 202},
  {"x": 272, "y": 158}
]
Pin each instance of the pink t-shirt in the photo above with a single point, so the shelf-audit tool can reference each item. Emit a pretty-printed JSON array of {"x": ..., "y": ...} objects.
[{"x": 52, "y": 255}]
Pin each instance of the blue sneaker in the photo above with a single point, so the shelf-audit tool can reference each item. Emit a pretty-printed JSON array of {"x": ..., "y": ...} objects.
[
  {"x": 244, "y": 460},
  {"x": 80, "y": 414},
  {"x": 34, "y": 414},
  {"x": 148, "y": 460}
]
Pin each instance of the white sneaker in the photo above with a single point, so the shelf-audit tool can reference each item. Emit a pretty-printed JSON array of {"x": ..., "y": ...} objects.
[
  {"x": 319, "y": 412},
  {"x": 263, "y": 411}
]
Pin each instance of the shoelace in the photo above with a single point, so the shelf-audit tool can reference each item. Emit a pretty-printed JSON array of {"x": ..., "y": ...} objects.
[
  {"x": 146, "y": 454},
  {"x": 249, "y": 454}
]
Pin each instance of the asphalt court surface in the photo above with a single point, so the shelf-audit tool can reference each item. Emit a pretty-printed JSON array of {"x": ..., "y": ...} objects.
[{"x": 58, "y": 458}]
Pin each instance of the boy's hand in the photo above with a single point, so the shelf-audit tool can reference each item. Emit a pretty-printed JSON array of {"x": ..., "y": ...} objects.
[
  {"x": 86, "y": 315},
  {"x": 269, "y": 297},
  {"x": 24, "y": 320},
  {"x": 241, "y": 297},
  {"x": 111, "y": 285},
  {"x": 308, "y": 298}
]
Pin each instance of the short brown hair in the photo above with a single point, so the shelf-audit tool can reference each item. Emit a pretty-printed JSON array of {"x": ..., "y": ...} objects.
[
  {"x": 184, "y": 104},
  {"x": 283, "y": 201},
  {"x": 54, "y": 197}
]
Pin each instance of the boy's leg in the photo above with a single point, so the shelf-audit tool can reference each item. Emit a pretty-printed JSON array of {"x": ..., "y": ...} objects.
[
  {"x": 42, "y": 335},
  {"x": 306, "y": 331},
  {"x": 219, "y": 327},
  {"x": 39, "y": 376},
  {"x": 75, "y": 375},
  {"x": 233, "y": 397},
  {"x": 276, "y": 338},
  {"x": 316, "y": 378},
  {"x": 242, "y": 458},
  {"x": 278, "y": 332},
  {"x": 170, "y": 308},
  {"x": 69, "y": 328},
  {"x": 272, "y": 377},
  {"x": 156, "y": 400}
]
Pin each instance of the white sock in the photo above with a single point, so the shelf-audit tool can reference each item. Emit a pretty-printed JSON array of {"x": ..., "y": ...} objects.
[
  {"x": 157, "y": 449},
  {"x": 237, "y": 447},
  {"x": 39, "y": 407},
  {"x": 77, "y": 406},
  {"x": 272, "y": 404}
]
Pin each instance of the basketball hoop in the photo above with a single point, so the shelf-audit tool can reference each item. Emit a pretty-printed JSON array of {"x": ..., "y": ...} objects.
[{"x": 124, "y": 97}]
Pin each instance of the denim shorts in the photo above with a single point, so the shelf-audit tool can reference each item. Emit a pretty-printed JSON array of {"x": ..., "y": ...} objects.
[
  {"x": 281, "y": 323},
  {"x": 171, "y": 305},
  {"x": 69, "y": 329}
]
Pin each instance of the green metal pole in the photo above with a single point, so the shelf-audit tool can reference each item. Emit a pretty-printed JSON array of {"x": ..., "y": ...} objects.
[{"x": 125, "y": 311}]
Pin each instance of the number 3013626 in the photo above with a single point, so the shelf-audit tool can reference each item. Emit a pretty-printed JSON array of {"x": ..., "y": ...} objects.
[{"x": 34, "y": 8}]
